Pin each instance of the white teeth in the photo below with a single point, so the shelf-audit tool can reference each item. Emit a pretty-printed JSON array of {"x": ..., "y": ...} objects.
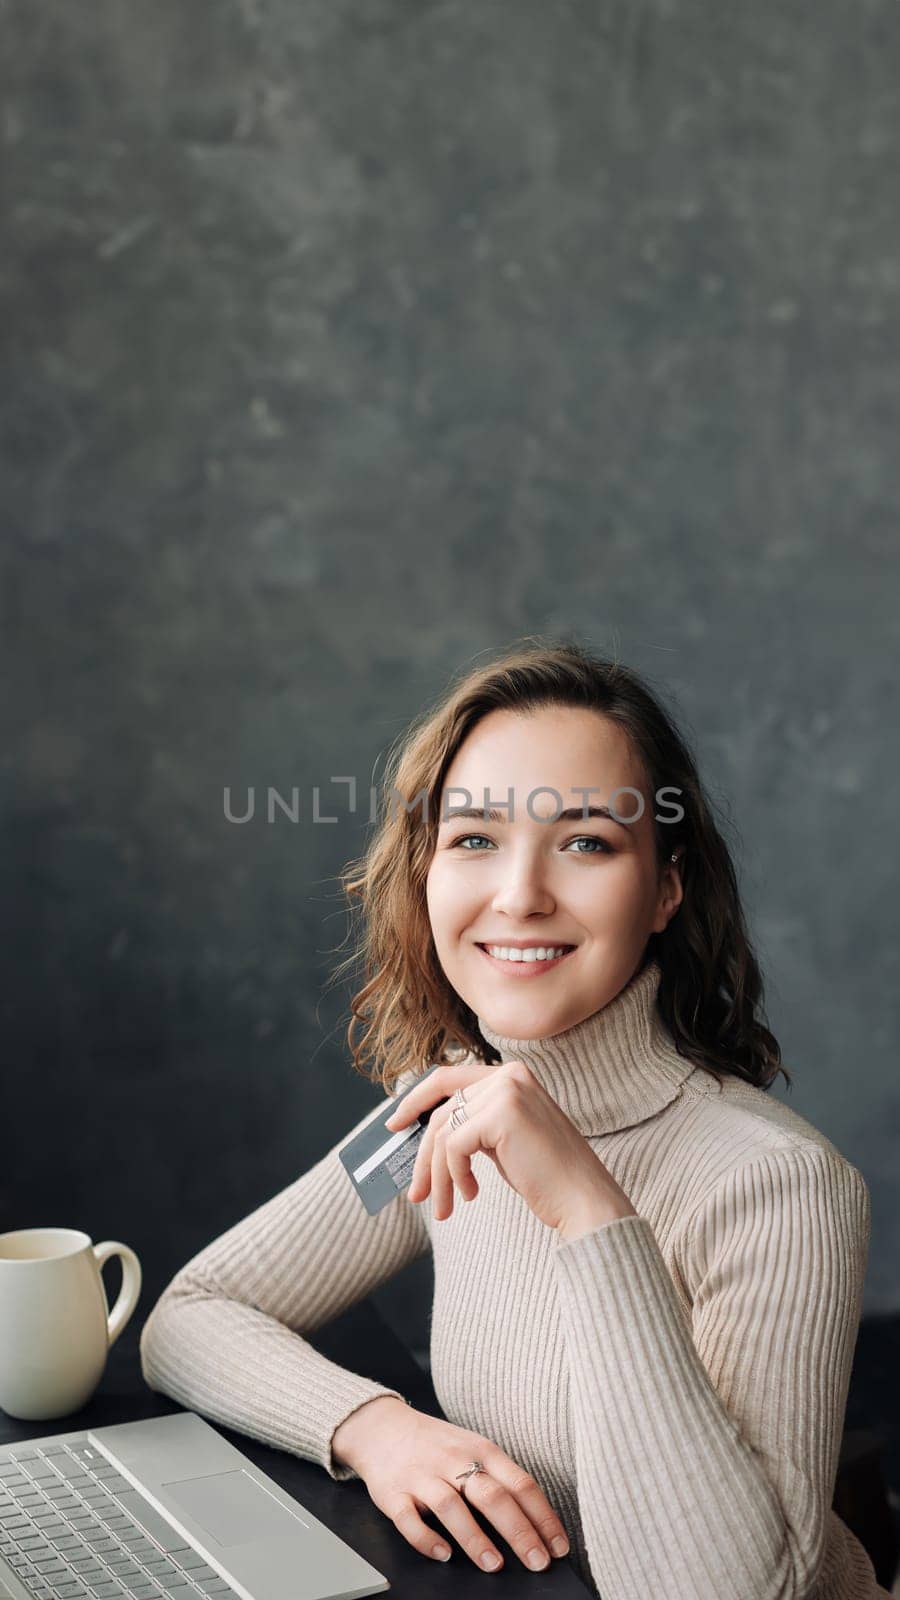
[{"x": 540, "y": 953}]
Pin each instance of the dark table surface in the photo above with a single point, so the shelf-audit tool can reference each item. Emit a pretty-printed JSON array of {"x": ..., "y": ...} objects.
[{"x": 361, "y": 1340}]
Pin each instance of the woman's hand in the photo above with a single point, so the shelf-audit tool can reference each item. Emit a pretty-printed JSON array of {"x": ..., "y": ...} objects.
[
  {"x": 535, "y": 1147},
  {"x": 409, "y": 1462}
]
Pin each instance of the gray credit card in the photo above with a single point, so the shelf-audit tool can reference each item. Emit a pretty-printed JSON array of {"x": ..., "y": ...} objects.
[{"x": 380, "y": 1160}]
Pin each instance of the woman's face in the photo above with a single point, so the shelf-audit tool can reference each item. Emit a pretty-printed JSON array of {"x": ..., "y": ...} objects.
[{"x": 590, "y": 884}]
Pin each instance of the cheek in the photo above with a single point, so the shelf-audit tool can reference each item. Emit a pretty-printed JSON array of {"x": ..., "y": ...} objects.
[
  {"x": 615, "y": 891},
  {"x": 443, "y": 898},
  {"x": 453, "y": 904}
]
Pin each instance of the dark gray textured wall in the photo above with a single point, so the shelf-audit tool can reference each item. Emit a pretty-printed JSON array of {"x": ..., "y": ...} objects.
[{"x": 343, "y": 342}]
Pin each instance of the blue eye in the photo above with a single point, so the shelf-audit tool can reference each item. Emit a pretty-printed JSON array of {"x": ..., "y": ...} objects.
[{"x": 601, "y": 846}]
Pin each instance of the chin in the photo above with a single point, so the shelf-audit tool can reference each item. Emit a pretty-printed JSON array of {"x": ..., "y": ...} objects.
[{"x": 523, "y": 1022}]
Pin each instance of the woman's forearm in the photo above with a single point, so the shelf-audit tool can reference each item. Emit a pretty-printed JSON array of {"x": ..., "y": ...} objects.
[
  {"x": 709, "y": 1436},
  {"x": 238, "y": 1366}
]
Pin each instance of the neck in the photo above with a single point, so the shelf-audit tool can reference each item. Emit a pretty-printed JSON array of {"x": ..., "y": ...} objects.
[{"x": 615, "y": 1068}]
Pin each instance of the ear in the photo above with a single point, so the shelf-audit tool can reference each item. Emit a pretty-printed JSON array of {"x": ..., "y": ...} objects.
[{"x": 671, "y": 894}]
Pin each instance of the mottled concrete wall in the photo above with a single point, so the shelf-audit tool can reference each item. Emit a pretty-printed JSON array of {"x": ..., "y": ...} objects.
[{"x": 342, "y": 342}]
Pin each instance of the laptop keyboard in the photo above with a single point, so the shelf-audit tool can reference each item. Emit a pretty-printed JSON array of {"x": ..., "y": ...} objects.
[{"x": 72, "y": 1528}]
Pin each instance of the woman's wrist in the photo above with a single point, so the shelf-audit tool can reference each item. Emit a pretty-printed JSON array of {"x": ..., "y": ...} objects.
[
  {"x": 593, "y": 1206},
  {"x": 350, "y": 1437}
]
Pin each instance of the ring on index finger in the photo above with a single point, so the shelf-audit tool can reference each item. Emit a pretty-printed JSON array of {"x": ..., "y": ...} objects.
[{"x": 458, "y": 1115}]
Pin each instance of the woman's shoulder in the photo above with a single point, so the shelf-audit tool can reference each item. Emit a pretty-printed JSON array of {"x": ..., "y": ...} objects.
[{"x": 746, "y": 1139}]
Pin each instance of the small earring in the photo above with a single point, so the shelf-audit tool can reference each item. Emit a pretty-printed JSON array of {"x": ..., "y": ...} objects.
[{"x": 674, "y": 856}]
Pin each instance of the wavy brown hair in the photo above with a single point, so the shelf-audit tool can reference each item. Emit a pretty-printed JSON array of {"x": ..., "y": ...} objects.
[{"x": 710, "y": 993}]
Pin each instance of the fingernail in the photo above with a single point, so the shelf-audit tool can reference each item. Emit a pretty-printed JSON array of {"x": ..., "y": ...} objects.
[
  {"x": 442, "y": 1552},
  {"x": 536, "y": 1560},
  {"x": 490, "y": 1561},
  {"x": 559, "y": 1546}
]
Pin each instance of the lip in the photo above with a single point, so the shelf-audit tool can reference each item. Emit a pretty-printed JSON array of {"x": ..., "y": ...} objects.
[
  {"x": 526, "y": 944},
  {"x": 523, "y": 969}
]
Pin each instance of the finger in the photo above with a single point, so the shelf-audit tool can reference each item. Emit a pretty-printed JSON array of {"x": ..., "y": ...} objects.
[
  {"x": 451, "y": 1165},
  {"x": 428, "y": 1168},
  {"x": 441, "y": 1181},
  {"x": 459, "y": 1164},
  {"x": 399, "y": 1118},
  {"x": 421, "y": 1172},
  {"x": 436, "y": 1086},
  {"x": 422, "y": 1095},
  {"x": 420, "y": 1183},
  {"x": 451, "y": 1162},
  {"x": 407, "y": 1521},
  {"x": 507, "y": 1514},
  {"x": 450, "y": 1508},
  {"x": 527, "y": 1492}
]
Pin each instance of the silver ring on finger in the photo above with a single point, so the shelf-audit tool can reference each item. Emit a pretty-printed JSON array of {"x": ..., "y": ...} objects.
[
  {"x": 458, "y": 1115},
  {"x": 475, "y": 1467}
]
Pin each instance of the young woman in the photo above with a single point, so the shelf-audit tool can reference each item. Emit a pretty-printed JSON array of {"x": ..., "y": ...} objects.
[{"x": 648, "y": 1271}]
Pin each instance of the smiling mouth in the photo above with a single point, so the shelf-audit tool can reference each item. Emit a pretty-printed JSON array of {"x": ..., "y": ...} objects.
[{"x": 526, "y": 966}]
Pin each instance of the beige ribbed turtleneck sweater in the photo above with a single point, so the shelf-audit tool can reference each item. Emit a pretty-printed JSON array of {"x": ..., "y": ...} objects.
[{"x": 675, "y": 1381}]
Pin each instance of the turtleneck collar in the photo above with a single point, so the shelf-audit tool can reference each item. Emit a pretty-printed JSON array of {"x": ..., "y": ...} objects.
[{"x": 615, "y": 1068}]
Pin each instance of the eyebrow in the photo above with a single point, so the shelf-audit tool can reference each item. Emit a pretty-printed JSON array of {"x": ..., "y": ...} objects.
[{"x": 571, "y": 814}]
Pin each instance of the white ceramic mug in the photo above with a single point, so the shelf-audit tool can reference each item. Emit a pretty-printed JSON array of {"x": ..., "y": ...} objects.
[{"x": 55, "y": 1323}]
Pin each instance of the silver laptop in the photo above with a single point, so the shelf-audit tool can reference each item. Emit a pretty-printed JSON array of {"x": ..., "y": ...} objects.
[{"x": 163, "y": 1509}]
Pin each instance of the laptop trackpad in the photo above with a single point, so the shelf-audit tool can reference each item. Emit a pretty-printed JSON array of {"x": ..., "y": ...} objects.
[{"x": 233, "y": 1507}]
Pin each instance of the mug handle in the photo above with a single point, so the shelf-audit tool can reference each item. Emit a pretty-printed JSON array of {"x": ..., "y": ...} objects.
[{"x": 131, "y": 1284}]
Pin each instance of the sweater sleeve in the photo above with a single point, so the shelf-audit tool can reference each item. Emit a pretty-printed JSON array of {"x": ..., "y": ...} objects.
[
  {"x": 225, "y": 1338},
  {"x": 708, "y": 1423}
]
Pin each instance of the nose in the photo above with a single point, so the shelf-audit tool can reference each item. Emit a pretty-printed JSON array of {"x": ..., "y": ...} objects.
[{"x": 523, "y": 891}]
